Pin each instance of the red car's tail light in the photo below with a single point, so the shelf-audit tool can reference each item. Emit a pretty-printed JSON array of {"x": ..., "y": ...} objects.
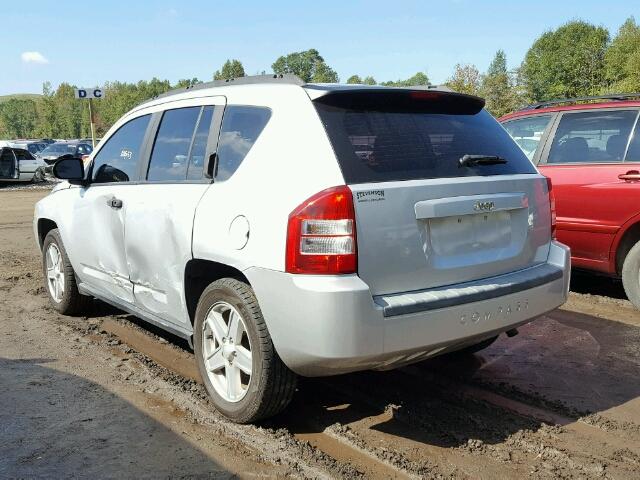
[
  {"x": 552, "y": 206},
  {"x": 321, "y": 234}
]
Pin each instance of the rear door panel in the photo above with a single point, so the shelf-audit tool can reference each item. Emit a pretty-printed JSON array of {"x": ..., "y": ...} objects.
[{"x": 160, "y": 215}]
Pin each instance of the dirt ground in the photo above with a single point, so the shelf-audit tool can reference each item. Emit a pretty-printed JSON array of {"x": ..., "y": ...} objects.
[{"x": 106, "y": 396}]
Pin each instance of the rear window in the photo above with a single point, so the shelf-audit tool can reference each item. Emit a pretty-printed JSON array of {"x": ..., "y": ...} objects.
[
  {"x": 409, "y": 135},
  {"x": 241, "y": 127}
]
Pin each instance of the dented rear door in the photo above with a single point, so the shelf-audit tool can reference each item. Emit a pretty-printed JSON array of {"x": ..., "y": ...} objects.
[{"x": 160, "y": 210}]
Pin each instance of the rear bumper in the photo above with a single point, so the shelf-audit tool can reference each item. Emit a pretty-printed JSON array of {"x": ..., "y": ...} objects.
[{"x": 327, "y": 325}]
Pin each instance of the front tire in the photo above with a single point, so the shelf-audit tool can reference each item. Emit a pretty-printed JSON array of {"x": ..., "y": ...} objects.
[
  {"x": 59, "y": 277},
  {"x": 240, "y": 368},
  {"x": 631, "y": 275}
]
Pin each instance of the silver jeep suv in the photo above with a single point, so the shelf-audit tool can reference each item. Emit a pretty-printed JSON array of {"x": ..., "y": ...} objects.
[{"x": 287, "y": 228}]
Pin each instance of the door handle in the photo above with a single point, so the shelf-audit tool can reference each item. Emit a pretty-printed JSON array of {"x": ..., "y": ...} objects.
[
  {"x": 630, "y": 176},
  {"x": 115, "y": 203}
]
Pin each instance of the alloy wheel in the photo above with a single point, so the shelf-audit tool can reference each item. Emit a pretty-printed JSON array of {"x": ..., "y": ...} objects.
[
  {"x": 227, "y": 352},
  {"x": 55, "y": 272}
]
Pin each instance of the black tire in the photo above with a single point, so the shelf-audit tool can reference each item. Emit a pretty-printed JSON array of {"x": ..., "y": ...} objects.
[
  {"x": 472, "y": 349},
  {"x": 72, "y": 302},
  {"x": 631, "y": 275},
  {"x": 272, "y": 384}
]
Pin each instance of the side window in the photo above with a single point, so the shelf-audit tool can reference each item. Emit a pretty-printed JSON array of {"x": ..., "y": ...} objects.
[
  {"x": 592, "y": 137},
  {"x": 527, "y": 132},
  {"x": 633, "y": 152},
  {"x": 169, "y": 159},
  {"x": 199, "y": 148},
  {"x": 241, "y": 127},
  {"x": 117, "y": 160},
  {"x": 23, "y": 154}
]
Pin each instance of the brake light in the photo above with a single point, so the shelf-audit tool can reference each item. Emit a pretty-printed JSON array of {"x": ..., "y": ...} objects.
[
  {"x": 321, "y": 234},
  {"x": 425, "y": 95},
  {"x": 552, "y": 206}
]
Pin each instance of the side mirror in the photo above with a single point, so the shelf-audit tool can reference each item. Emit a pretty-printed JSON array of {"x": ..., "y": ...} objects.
[{"x": 69, "y": 168}]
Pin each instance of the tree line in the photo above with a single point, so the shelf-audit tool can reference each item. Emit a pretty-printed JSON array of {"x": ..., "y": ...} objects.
[{"x": 576, "y": 59}]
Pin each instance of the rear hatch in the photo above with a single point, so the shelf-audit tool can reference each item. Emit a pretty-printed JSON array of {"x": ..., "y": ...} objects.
[{"x": 424, "y": 220}]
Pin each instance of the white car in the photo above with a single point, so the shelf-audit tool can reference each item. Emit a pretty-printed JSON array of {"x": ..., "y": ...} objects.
[
  {"x": 18, "y": 165},
  {"x": 287, "y": 228}
]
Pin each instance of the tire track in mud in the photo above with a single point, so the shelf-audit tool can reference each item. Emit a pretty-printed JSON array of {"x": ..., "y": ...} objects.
[
  {"x": 349, "y": 458},
  {"x": 420, "y": 424},
  {"x": 562, "y": 440}
]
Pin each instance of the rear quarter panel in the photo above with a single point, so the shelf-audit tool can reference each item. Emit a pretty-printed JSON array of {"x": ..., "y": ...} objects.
[{"x": 291, "y": 160}]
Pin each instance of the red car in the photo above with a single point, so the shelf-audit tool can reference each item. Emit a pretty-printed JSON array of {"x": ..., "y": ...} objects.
[{"x": 591, "y": 153}]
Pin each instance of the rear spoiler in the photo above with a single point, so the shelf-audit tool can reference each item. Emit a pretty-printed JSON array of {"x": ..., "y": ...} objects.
[{"x": 401, "y": 100}]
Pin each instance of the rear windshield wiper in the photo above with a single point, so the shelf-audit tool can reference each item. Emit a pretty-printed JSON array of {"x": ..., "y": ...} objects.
[{"x": 473, "y": 160}]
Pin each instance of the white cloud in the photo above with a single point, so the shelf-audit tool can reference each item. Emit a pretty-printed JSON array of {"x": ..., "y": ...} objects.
[{"x": 33, "y": 57}]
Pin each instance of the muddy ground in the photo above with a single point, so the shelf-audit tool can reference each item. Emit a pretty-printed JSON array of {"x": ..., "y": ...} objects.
[{"x": 106, "y": 396}]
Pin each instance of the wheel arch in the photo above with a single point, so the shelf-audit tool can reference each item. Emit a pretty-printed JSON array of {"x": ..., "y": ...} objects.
[
  {"x": 628, "y": 236},
  {"x": 45, "y": 225},
  {"x": 200, "y": 273}
]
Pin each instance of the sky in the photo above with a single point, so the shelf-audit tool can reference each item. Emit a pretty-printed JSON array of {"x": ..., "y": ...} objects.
[{"x": 87, "y": 43}]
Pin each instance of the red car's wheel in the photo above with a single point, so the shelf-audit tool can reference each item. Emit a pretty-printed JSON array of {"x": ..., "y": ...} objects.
[{"x": 631, "y": 275}]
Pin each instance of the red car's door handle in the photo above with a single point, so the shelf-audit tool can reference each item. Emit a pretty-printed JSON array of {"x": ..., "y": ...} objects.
[{"x": 630, "y": 176}]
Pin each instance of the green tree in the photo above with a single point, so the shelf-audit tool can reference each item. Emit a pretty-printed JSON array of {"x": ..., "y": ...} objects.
[
  {"x": 465, "y": 79},
  {"x": 369, "y": 80},
  {"x": 498, "y": 87},
  {"x": 354, "y": 79},
  {"x": 324, "y": 74},
  {"x": 18, "y": 117},
  {"x": 567, "y": 62},
  {"x": 69, "y": 113},
  {"x": 187, "y": 82},
  {"x": 231, "y": 69},
  {"x": 47, "y": 117},
  {"x": 418, "y": 79},
  {"x": 622, "y": 59},
  {"x": 307, "y": 65}
]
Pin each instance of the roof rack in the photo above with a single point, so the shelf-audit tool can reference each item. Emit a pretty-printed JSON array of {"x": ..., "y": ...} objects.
[
  {"x": 286, "y": 78},
  {"x": 558, "y": 101}
]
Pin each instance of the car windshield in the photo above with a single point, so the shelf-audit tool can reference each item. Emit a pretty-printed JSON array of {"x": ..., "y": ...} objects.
[{"x": 59, "y": 149}]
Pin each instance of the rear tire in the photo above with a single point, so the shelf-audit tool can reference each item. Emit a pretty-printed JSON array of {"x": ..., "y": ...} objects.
[
  {"x": 631, "y": 275},
  {"x": 241, "y": 370},
  {"x": 59, "y": 277}
]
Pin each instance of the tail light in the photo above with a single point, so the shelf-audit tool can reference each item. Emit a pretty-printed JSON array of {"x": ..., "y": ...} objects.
[
  {"x": 321, "y": 234},
  {"x": 552, "y": 206}
]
